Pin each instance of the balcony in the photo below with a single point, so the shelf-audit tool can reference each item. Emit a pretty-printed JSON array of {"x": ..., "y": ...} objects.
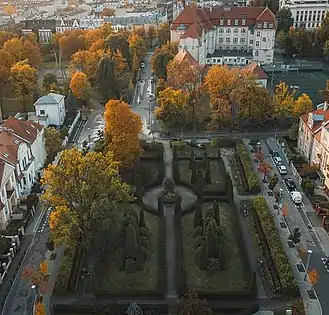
[
  {"x": 27, "y": 166},
  {"x": 10, "y": 193}
]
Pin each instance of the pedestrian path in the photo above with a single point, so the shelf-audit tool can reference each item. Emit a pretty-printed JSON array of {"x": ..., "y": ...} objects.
[{"x": 312, "y": 306}]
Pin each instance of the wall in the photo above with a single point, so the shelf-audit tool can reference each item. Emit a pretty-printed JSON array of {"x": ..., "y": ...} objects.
[{"x": 75, "y": 121}]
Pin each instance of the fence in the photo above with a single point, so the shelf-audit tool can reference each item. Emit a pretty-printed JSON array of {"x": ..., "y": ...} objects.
[
  {"x": 75, "y": 121},
  {"x": 293, "y": 66}
]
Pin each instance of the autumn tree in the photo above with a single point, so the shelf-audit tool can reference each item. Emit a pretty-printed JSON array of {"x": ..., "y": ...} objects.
[
  {"x": 119, "y": 41},
  {"x": 302, "y": 105},
  {"x": 122, "y": 127},
  {"x": 5, "y": 36},
  {"x": 21, "y": 49},
  {"x": 161, "y": 57},
  {"x": 172, "y": 109},
  {"x": 190, "y": 304},
  {"x": 80, "y": 85},
  {"x": 283, "y": 100},
  {"x": 265, "y": 168},
  {"x": 40, "y": 309},
  {"x": 87, "y": 194},
  {"x": 5, "y": 65},
  {"x": 163, "y": 34},
  {"x": 53, "y": 143},
  {"x": 151, "y": 35},
  {"x": 70, "y": 42},
  {"x": 9, "y": 9},
  {"x": 138, "y": 50},
  {"x": 37, "y": 277},
  {"x": 108, "y": 12},
  {"x": 313, "y": 276}
]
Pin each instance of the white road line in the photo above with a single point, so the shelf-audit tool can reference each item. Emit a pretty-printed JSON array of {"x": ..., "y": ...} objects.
[{"x": 39, "y": 220}]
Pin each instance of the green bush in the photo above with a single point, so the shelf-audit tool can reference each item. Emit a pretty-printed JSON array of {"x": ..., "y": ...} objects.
[
  {"x": 4, "y": 245},
  {"x": 287, "y": 279},
  {"x": 130, "y": 265},
  {"x": 309, "y": 188},
  {"x": 223, "y": 142},
  {"x": 252, "y": 179}
]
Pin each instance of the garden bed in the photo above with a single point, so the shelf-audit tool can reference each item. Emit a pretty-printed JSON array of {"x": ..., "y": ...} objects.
[{"x": 229, "y": 280}]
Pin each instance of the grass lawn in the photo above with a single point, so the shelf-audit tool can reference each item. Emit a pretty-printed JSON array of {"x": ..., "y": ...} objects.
[
  {"x": 217, "y": 171},
  {"x": 211, "y": 151},
  {"x": 116, "y": 280},
  {"x": 231, "y": 279}
]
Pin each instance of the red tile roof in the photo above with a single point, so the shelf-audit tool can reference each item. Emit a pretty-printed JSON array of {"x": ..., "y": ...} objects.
[
  {"x": 25, "y": 129},
  {"x": 9, "y": 144},
  {"x": 184, "y": 55},
  {"x": 317, "y": 124},
  {"x": 207, "y": 18},
  {"x": 257, "y": 71},
  {"x": 194, "y": 31}
]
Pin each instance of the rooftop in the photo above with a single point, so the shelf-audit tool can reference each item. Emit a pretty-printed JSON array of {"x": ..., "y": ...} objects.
[{"x": 50, "y": 99}]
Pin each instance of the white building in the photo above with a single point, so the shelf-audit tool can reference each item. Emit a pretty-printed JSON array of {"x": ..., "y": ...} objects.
[
  {"x": 50, "y": 109},
  {"x": 234, "y": 36},
  {"x": 306, "y": 13}
]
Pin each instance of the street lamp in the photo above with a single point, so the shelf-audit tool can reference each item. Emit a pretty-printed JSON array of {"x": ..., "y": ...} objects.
[
  {"x": 273, "y": 67},
  {"x": 309, "y": 252},
  {"x": 258, "y": 146},
  {"x": 288, "y": 312}
]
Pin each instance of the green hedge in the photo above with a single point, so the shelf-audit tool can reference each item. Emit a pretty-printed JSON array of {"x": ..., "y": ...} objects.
[
  {"x": 252, "y": 179},
  {"x": 287, "y": 279}
]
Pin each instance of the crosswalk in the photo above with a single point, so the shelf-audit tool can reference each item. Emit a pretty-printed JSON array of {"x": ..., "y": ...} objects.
[{"x": 326, "y": 263}]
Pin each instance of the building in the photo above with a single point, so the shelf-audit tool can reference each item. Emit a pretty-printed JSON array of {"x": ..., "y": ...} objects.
[
  {"x": 9, "y": 196},
  {"x": 306, "y": 13},
  {"x": 44, "y": 28},
  {"x": 313, "y": 139},
  {"x": 50, "y": 109},
  {"x": 259, "y": 74},
  {"x": 235, "y": 36}
]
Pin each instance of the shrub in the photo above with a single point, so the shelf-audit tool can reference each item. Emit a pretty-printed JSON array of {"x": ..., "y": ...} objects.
[
  {"x": 130, "y": 265},
  {"x": 119, "y": 258},
  {"x": 223, "y": 142},
  {"x": 252, "y": 179},
  {"x": 198, "y": 241},
  {"x": 287, "y": 279},
  {"x": 198, "y": 231},
  {"x": 201, "y": 257},
  {"x": 308, "y": 187},
  {"x": 5, "y": 244},
  {"x": 213, "y": 266}
]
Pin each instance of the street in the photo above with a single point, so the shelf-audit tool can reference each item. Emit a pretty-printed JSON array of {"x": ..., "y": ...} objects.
[{"x": 297, "y": 217}]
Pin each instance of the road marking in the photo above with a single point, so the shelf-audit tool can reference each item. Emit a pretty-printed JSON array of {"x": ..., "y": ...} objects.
[
  {"x": 324, "y": 261},
  {"x": 39, "y": 220}
]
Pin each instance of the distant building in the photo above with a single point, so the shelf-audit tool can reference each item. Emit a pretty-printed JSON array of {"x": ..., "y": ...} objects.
[
  {"x": 306, "y": 13},
  {"x": 44, "y": 28},
  {"x": 50, "y": 109},
  {"x": 235, "y": 36}
]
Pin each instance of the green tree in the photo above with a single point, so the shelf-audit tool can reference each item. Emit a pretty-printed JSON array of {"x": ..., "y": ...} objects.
[
  {"x": 87, "y": 194},
  {"x": 215, "y": 207},
  {"x": 105, "y": 78},
  {"x": 192, "y": 160},
  {"x": 53, "y": 143},
  {"x": 131, "y": 242},
  {"x": 190, "y": 304},
  {"x": 142, "y": 223},
  {"x": 285, "y": 20},
  {"x": 198, "y": 221},
  {"x": 211, "y": 237},
  {"x": 48, "y": 80},
  {"x": 163, "y": 34}
]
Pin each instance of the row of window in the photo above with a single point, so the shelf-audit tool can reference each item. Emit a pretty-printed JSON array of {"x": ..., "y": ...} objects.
[
  {"x": 242, "y": 41},
  {"x": 310, "y": 17},
  {"x": 235, "y": 31},
  {"x": 309, "y": 25},
  {"x": 235, "y": 22}
]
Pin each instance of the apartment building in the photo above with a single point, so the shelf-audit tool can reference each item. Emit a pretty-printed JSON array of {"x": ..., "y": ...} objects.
[
  {"x": 234, "y": 36},
  {"x": 306, "y": 13}
]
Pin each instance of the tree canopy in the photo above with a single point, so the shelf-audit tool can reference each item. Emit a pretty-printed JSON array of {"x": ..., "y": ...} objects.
[{"x": 80, "y": 85}]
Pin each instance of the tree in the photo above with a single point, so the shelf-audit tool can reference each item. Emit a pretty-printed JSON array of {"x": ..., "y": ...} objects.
[
  {"x": 5, "y": 36},
  {"x": 70, "y": 42},
  {"x": 325, "y": 92},
  {"x": 161, "y": 57},
  {"x": 215, "y": 207},
  {"x": 265, "y": 168},
  {"x": 190, "y": 304},
  {"x": 23, "y": 78},
  {"x": 53, "y": 143},
  {"x": 151, "y": 35},
  {"x": 87, "y": 194},
  {"x": 303, "y": 105},
  {"x": 105, "y": 78},
  {"x": 40, "y": 309},
  {"x": 198, "y": 221},
  {"x": 138, "y": 50},
  {"x": 48, "y": 80},
  {"x": 283, "y": 100},
  {"x": 37, "y": 277},
  {"x": 163, "y": 34},
  {"x": 295, "y": 236},
  {"x": 122, "y": 127},
  {"x": 172, "y": 108},
  {"x": 313, "y": 276},
  {"x": 285, "y": 20},
  {"x": 9, "y": 9},
  {"x": 80, "y": 85},
  {"x": 108, "y": 12},
  {"x": 142, "y": 223},
  {"x": 293, "y": 132},
  {"x": 21, "y": 49}
]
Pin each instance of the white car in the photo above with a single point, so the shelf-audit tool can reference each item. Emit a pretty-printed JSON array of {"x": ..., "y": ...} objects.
[
  {"x": 277, "y": 160},
  {"x": 296, "y": 197},
  {"x": 142, "y": 65},
  {"x": 282, "y": 169}
]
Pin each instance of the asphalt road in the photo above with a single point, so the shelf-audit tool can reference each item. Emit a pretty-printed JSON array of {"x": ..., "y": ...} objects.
[{"x": 315, "y": 260}]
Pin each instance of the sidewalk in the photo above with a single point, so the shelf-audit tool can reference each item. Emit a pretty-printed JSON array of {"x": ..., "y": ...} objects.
[{"x": 312, "y": 306}]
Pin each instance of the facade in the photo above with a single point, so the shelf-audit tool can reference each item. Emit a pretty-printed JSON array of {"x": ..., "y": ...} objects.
[
  {"x": 9, "y": 196},
  {"x": 259, "y": 74},
  {"x": 306, "y": 13},
  {"x": 43, "y": 27},
  {"x": 51, "y": 109},
  {"x": 235, "y": 36}
]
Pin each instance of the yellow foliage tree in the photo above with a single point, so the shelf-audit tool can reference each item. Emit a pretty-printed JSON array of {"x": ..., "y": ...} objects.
[
  {"x": 172, "y": 109},
  {"x": 80, "y": 85},
  {"x": 37, "y": 276},
  {"x": 21, "y": 49},
  {"x": 9, "y": 9},
  {"x": 23, "y": 78},
  {"x": 138, "y": 49},
  {"x": 70, "y": 42},
  {"x": 5, "y": 36},
  {"x": 40, "y": 309},
  {"x": 43, "y": 267},
  {"x": 313, "y": 277},
  {"x": 122, "y": 127},
  {"x": 87, "y": 194},
  {"x": 302, "y": 105},
  {"x": 283, "y": 100}
]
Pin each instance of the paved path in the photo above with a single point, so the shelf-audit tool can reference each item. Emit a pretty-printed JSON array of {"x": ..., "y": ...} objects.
[{"x": 312, "y": 307}]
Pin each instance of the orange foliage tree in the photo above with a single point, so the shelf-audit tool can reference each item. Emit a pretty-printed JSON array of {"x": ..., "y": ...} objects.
[
  {"x": 37, "y": 277},
  {"x": 87, "y": 193},
  {"x": 80, "y": 85},
  {"x": 122, "y": 127},
  {"x": 302, "y": 105},
  {"x": 265, "y": 168},
  {"x": 40, "y": 309},
  {"x": 70, "y": 42},
  {"x": 313, "y": 276}
]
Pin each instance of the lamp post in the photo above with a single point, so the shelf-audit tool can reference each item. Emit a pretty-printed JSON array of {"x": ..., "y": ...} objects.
[
  {"x": 309, "y": 252},
  {"x": 258, "y": 146},
  {"x": 288, "y": 312},
  {"x": 280, "y": 200},
  {"x": 273, "y": 67}
]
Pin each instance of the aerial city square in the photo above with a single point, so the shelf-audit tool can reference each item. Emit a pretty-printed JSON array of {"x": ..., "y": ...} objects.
[{"x": 164, "y": 157}]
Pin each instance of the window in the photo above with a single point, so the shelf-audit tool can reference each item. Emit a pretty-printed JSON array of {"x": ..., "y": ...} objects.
[
  {"x": 16, "y": 141},
  {"x": 228, "y": 40},
  {"x": 28, "y": 131},
  {"x": 258, "y": 34},
  {"x": 5, "y": 155},
  {"x": 243, "y": 30},
  {"x": 24, "y": 180},
  {"x": 221, "y": 40},
  {"x": 265, "y": 24},
  {"x": 270, "y": 25},
  {"x": 236, "y": 22},
  {"x": 228, "y": 30},
  {"x": 221, "y": 30},
  {"x": 242, "y": 40},
  {"x": 236, "y": 30},
  {"x": 42, "y": 112},
  {"x": 235, "y": 40},
  {"x": 228, "y": 22},
  {"x": 257, "y": 43},
  {"x": 243, "y": 21},
  {"x": 264, "y": 39},
  {"x": 251, "y": 42},
  {"x": 256, "y": 53},
  {"x": 221, "y": 22}
]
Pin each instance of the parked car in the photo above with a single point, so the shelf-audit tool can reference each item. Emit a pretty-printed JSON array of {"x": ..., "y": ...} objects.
[
  {"x": 277, "y": 160},
  {"x": 296, "y": 197},
  {"x": 290, "y": 184},
  {"x": 282, "y": 169},
  {"x": 151, "y": 97},
  {"x": 274, "y": 154},
  {"x": 142, "y": 65}
]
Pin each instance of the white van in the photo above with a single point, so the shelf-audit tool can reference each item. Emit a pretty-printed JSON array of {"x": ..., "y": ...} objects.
[{"x": 296, "y": 197}]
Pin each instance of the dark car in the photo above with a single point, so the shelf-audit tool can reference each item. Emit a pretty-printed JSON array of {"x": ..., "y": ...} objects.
[
  {"x": 274, "y": 154},
  {"x": 290, "y": 184}
]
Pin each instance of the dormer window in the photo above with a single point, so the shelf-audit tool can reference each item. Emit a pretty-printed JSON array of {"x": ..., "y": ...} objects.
[
  {"x": 16, "y": 141},
  {"x": 221, "y": 22},
  {"x": 243, "y": 21},
  {"x": 5, "y": 155},
  {"x": 28, "y": 131},
  {"x": 228, "y": 22}
]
